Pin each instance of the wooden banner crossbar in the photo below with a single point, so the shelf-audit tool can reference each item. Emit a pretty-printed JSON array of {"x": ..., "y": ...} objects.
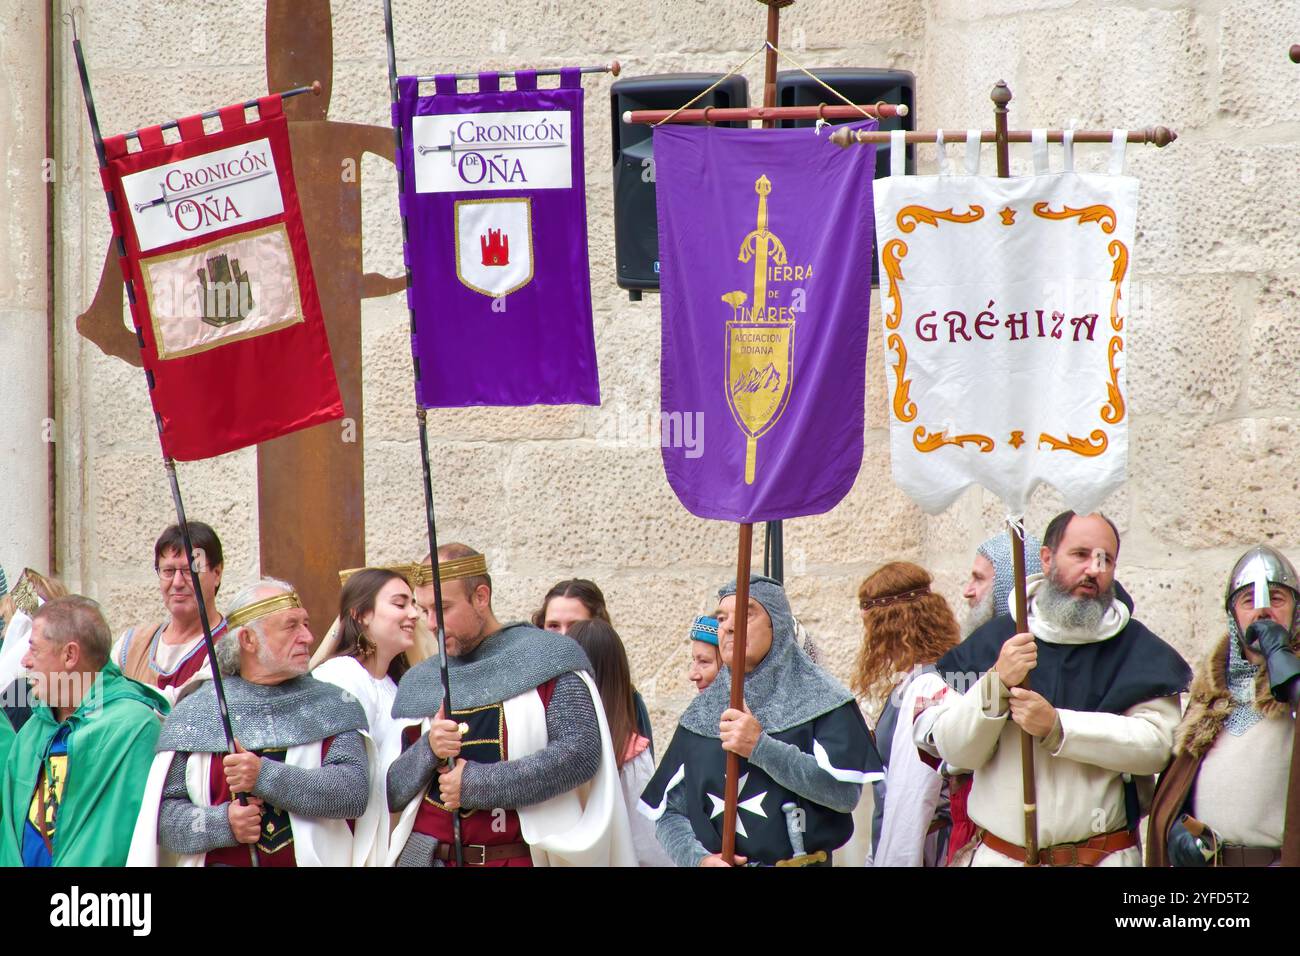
[
  {"x": 1153, "y": 135},
  {"x": 740, "y": 114},
  {"x": 613, "y": 67}
]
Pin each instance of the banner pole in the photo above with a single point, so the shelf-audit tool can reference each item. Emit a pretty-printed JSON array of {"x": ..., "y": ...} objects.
[
  {"x": 1158, "y": 136},
  {"x": 1291, "y": 820},
  {"x": 1001, "y": 97},
  {"x": 773, "y": 540},
  {"x": 218, "y": 685},
  {"x": 422, "y": 417},
  {"x": 314, "y": 89},
  {"x": 731, "y": 795}
]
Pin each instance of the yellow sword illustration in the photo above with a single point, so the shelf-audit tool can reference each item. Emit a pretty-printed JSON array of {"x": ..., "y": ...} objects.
[{"x": 758, "y": 245}]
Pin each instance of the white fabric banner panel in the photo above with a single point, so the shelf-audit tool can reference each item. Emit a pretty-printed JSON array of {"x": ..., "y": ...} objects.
[{"x": 1005, "y": 305}]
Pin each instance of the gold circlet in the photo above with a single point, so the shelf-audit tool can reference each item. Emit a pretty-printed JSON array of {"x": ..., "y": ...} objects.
[
  {"x": 421, "y": 574},
  {"x": 263, "y": 608}
]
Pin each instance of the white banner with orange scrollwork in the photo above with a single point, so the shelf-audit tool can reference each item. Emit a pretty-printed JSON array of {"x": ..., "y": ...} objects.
[{"x": 1005, "y": 307}]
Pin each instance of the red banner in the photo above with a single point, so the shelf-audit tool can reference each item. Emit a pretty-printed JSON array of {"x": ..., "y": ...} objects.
[{"x": 222, "y": 292}]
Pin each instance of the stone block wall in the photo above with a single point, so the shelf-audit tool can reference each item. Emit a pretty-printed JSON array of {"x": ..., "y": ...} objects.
[{"x": 558, "y": 492}]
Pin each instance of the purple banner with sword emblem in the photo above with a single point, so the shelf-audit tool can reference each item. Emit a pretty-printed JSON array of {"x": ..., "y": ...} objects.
[
  {"x": 765, "y": 270},
  {"x": 496, "y": 240}
]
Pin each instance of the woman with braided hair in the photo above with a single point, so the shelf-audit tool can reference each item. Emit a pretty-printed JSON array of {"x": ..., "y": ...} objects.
[{"x": 906, "y": 628}]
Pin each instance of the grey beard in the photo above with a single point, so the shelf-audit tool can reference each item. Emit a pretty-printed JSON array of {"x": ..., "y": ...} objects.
[
  {"x": 1056, "y": 606},
  {"x": 977, "y": 616}
]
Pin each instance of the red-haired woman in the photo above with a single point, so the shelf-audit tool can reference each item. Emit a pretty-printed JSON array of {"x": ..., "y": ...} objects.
[{"x": 906, "y": 629}]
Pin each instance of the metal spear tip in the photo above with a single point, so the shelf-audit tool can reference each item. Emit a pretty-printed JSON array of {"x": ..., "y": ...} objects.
[
  {"x": 315, "y": 88},
  {"x": 615, "y": 68}
]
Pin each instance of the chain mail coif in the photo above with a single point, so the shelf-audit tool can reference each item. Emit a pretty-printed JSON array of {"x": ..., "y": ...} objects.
[{"x": 998, "y": 550}]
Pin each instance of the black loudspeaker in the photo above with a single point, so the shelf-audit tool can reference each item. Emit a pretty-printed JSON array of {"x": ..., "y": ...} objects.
[
  {"x": 865, "y": 87},
  {"x": 636, "y": 227}
]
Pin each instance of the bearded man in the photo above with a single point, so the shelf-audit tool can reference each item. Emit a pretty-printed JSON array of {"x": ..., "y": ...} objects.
[
  {"x": 1222, "y": 801},
  {"x": 1102, "y": 709},
  {"x": 524, "y": 761},
  {"x": 300, "y": 760},
  {"x": 992, "y": 579}
]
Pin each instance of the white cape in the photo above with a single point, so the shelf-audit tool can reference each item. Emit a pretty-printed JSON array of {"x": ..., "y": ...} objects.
[
  {"x": 383, "y": 746},
  {"x": 587, "y": 826},
  {"x": 316, "y": 842}
]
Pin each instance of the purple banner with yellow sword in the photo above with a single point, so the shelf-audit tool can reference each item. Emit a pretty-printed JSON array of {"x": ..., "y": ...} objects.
[{"x": 765, "y": 262}]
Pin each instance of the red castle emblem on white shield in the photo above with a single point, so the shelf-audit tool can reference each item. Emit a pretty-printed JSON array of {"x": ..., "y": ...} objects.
[{"x": 495, "y": 247}]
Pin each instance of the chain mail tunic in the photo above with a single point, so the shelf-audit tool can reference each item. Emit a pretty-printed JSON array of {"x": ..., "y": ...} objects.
[{"x": 338, "y": 790}]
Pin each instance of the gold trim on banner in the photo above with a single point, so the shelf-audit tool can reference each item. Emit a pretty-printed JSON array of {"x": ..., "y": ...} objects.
[
  {"x": 1103, "y": 216},
  {"x": 924, "y": 214},
  {"x": 296, "y": 319},
  {"x": 926, "y": 441},
  {"x": 527, "y": 202},
  {"x": 1113, "y": 411},
  {"x": 892, "y": 255},
  {"x": 904, "y": 407},
  {"x": 1090, "y": 447},
  {"x": 1119, "y": 254}
]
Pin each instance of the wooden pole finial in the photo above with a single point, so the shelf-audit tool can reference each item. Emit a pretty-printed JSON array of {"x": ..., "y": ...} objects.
[
  {"x": 1161, "y": 136},
  {"x": 315, "y": 88},
  {"x": 615, "y": 68},
  {"x": 843, "y": 137},
  {"x": 1295, "y": 52},
  {"x": 1001, "y": 97}
]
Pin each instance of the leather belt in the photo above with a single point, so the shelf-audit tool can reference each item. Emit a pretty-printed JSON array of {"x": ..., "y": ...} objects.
[
  {"x": 476, "y": 854},
  {"x": 1249, "y": 856},
  {"x": 816, "y": 858},
  {"x": 1084, "y": 853}
]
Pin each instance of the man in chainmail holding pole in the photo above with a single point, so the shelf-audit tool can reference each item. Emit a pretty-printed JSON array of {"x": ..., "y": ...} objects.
[
  {"x": 805, "y": 752},
  {"x": 525, "y": 758},
  {"x": 300, "y": 757},
  {"x": 1223, "y": 801}
]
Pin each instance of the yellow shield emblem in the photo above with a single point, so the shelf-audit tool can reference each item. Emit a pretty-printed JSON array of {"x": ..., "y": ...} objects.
[{"x": 759, "y": 364}]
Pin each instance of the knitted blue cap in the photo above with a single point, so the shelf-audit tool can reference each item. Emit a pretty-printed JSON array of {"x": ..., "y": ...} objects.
[{"x": 705, "y": 628}]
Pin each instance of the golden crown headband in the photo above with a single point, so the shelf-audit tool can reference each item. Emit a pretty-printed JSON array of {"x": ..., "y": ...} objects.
[
  {"x": 889, "y": 599},
  {"x": 421, "y": 575},
  {"x": 260, "y": 609}
]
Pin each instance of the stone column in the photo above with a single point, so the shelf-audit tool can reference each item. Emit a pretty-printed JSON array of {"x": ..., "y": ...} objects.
[{"x": 24, "y": 495}]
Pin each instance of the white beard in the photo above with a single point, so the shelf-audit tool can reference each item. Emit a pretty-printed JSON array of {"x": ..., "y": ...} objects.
[{"x": 977, "y": 616}]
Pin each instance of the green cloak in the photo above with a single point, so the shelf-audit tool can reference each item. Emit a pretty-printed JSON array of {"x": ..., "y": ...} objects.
[
  {"x": 110, "y": 750},
  {"x": 6, "y": 738}
]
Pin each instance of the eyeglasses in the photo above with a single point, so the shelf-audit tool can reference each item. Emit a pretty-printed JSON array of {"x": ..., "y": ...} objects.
[{"x": 165, "y": 575}]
